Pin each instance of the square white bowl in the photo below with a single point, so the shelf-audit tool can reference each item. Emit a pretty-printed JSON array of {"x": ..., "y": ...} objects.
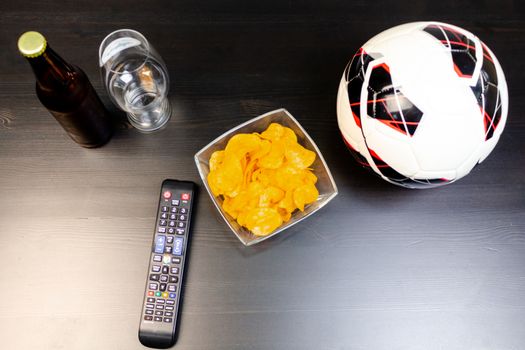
[{"x": 325, "y": 183}]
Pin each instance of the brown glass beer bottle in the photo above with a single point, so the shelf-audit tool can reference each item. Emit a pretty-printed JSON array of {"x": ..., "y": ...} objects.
[{"x": 65, "y": 90}]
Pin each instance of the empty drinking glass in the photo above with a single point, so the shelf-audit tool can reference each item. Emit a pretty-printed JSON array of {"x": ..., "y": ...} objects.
[{"x": 136, "y": 78}]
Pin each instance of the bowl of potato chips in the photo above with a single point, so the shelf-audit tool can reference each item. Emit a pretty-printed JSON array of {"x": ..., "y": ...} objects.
[{"x": 265, "y": 175}]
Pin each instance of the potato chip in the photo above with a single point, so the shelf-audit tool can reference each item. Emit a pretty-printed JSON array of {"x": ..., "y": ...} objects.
[
  {"x": 285, "y": 214},
  {"x": 262, "y": 221},
  {"x": 287, "y": 202},
  {"x": 275, "y": 158},
  {"x": 270, "y": 196},
  {"x": 212, "y": 184},
  {"x": 309, "y": 176},
  {"x": 255, "y": 190},
  {"x": 241, "y": 201},
  {"x": 299, "y": 156},
  {"x": 305, "y": 194},
  {"x": 227, "y": 179},
  {"x": 241, "y": 144},
  {"x": 273, "y": 132},
  {"x": 241, "y": 218},
  {"x": 289, "y": 136},
  {"x": 248, "y": 172},
  {"x": 288, "y": 177},
  {"x": 228, "y": 207},
  {"x": 216, "y": 159},
  {"x": 264, "y": 148},
  {"x": 263, "y": 178}
]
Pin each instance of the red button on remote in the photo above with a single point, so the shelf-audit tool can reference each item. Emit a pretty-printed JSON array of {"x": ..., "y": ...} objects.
[
  {"x": 150, "y": 293},
  {"x": 167, "y": 194},
  {"x": 185, "y": 196}
]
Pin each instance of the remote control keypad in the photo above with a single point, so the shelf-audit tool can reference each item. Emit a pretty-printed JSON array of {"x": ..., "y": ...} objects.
[
  {"x": 168, "y": 247},
  {"x": 163, "y": 306}
]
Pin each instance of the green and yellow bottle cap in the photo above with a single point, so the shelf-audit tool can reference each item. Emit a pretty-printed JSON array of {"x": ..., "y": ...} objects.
[{"x": 32, "y": 44}]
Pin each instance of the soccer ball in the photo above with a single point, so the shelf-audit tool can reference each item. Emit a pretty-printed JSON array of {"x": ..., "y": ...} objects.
[{"x": 422, "y": 103}]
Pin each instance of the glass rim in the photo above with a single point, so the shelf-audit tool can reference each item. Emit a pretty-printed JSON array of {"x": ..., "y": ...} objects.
[{"x": 143, "y": 41}]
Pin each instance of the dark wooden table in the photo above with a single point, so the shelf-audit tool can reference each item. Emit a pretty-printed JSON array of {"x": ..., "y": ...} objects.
[{"x": 379, "y": 268}]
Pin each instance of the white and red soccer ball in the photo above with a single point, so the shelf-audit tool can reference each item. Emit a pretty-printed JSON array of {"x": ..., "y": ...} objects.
[{"x": 422, "y": 103}]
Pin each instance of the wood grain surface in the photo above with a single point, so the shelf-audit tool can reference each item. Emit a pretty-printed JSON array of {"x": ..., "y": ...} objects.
[{"x": 379, "y": 268}]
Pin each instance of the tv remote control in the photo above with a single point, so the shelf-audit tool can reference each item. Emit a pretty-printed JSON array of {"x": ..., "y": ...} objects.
[{"x": 160, "y": 309}]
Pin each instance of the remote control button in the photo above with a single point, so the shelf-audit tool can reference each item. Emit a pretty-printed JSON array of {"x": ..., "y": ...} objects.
[
  {"x": 159, "y": 313},
  {"x": 163, "y": 278},
  {"x": 161, "y": 230},
  {"x": 170, "y": 307},
  {"x": 160, "y": 241},
  {"x": 181, "y": 231},
  {"x": 149, "y": 312},
  {"x": 159, "y": 307},
  {"x": 155, "y": 268},
  {"x": 182, "y": 217},
  {"x": 175, "y": 260},
  {"x": 174, "y": 270},
  {"x": 185, "y": 196},
  {"x": 150, "y": 306},
  {"x": 173, "y": 216},
  {"x": 168, "y": 319},
  {"x": 165, "y": 209},
  {"x": 174, "y": 279},
  {"x": 165, "y": 269},
  {"x": 177, "y": 245},
  {"x": 183, "y": 210},
  {"x": 157, "y": 258},
  {"x": 153, "y": 286},
  {"x": 154, "y": 277},
  {"x": 170, "y": 302},
  {"x": 150, "y": 293},
  {"x": 168, "y": 313},
  {"x": 172, "y": 223},
  {"x": 181, "y": 224},
  {"x": 164, "y": 216},
  {"x": 158, "y": 294},
  {"x": 174, "y": 209},
  {"x": 162, "y": 287},
  {"x": 165, "y": 294},
  {"x": 148, "y": 318},
  {"x": 168, "y": 249},
  {"x": 158, "y": 319},
  {"x": 173, "y": 295},
  {"x": 171, "y": 230},
  {"x": 166, "y": 194},
  {"x": 160, "y": 301},
  {"x": 172, "y": 288},
  {"x": 169, "y": 239},
  {"x": 175, "y": 202},
  {"x": 150, "y": 300},
  {"x": 162, "y": 222},
  {"x": 166, "y": 259}
]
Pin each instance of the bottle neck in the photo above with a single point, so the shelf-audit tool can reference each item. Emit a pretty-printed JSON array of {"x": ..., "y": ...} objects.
[{"x": 50, "y": 70}]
